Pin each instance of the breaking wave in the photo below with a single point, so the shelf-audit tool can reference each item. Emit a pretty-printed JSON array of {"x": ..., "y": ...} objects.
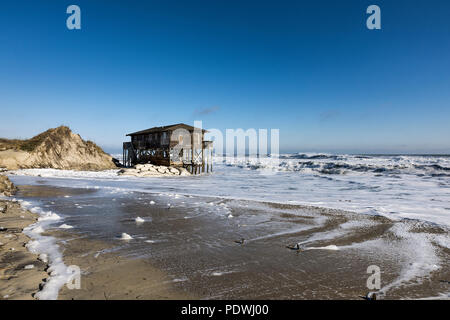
[{"x": 347, "y": 164}]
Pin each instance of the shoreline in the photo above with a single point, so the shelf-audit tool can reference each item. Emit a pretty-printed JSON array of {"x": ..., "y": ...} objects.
[
  {"x": 24, "y": 273},
  {"x": 106, "y": 274},
  {"x": 21, "y": 271},
  {"x": 112, "y": 176}
]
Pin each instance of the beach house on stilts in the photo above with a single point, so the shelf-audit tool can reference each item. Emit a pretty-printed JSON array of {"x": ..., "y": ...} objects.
[{"x": 174, "y": 145}]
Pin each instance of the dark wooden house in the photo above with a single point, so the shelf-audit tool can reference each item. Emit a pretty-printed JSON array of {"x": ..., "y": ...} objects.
[{"x": 174, "y": 145}]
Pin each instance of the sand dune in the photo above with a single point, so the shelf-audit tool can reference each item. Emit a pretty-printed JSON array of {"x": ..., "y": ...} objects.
[{"x": 57, "y": 148}]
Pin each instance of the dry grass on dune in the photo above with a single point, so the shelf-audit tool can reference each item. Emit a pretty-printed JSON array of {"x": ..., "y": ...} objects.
[
  {"x": 57, "y": 148},
  {"x": 30, "y": 145}
]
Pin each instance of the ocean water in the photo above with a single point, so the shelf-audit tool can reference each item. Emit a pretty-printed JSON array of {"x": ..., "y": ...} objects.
[
  {"x": 403, "y": 186},
  {"x": 187, "y": 225}
]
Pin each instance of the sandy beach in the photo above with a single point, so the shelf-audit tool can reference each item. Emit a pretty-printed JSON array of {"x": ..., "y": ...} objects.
[
  {"x": 21, "y": 272},
  {"x": 109, "y": 276},
  {"x": 187, "y": 252},
  {"x": 228, "y": 153},
  {"x": 104, "y": 275}
]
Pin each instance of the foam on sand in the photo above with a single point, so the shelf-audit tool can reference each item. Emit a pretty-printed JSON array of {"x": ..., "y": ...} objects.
[
  {"x": 414, "y": 251},
  {"x": 37, "y": 230},
  {"x": 418, "y": 255},
  {"x": 125, "y": 236},
  {"x": 330, "y": 247},
  {"x": 43, "y": 257},
  {"x": 65, "y": 226},
  {"x": 48, "y": 251},
  {"x": 280, "y": 233},
  {"x": 139, "y": 220},
  {"x": 220, "y": 273}
]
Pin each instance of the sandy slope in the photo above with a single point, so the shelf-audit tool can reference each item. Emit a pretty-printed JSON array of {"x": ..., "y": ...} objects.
[
  {"x": 7, "y": 188},
  {"x": 57, "y": 148}
]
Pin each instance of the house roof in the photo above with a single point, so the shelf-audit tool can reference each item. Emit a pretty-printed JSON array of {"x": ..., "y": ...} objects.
[{"x": 166, "y": 128}]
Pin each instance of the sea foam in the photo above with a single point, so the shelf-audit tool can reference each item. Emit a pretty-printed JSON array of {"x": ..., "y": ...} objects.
[
  {"x": 139, "y": 220},
  {"x": 48, "y": 251},
  {"x": 126, "y": 236}
]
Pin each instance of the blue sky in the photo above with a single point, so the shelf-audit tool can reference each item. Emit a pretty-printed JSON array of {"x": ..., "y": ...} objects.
[{"x": 309, "y": 68}]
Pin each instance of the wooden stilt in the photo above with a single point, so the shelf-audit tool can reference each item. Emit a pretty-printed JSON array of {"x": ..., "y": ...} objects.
[
  {"x": 210, "y": 161},
  {"x": 203, "y": 152},
  {"x": 192, "y": 151},
  {"x": 207, "y": 162}
]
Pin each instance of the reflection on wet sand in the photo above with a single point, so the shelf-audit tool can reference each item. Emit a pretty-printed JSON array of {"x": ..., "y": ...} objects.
[{"x": 193, "y": 245}]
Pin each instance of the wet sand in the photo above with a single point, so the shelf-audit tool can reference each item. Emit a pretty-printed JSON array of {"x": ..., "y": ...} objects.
[
  {"x": 109, "y": 276},
  {"x": 189, "y": 250},
  {"x": 20, "y": 271},
  {"x": 104, "y": 275}
]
